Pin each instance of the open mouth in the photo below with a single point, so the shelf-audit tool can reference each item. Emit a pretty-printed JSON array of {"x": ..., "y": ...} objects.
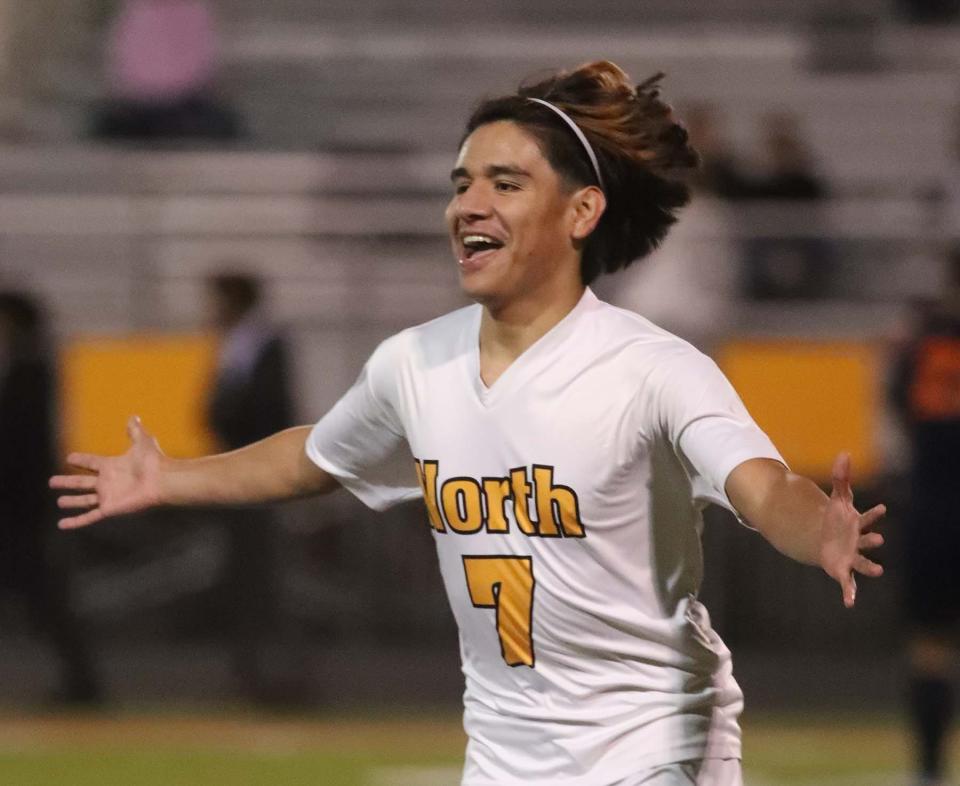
[{"x": 475, "y": 245}]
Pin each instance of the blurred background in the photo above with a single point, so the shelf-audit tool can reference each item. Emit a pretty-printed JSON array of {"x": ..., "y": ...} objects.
[{"x": 211, "y": 204}]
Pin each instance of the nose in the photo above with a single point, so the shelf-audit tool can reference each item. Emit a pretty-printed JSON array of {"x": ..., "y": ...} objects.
[{"x": 472, "y": 204}]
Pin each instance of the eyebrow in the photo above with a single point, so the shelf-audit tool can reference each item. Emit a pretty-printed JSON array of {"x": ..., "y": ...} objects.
[{"x": 494, "y": 170}]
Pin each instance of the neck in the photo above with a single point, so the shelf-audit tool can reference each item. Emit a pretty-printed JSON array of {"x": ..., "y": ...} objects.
[{"x": 506, "y": 332}]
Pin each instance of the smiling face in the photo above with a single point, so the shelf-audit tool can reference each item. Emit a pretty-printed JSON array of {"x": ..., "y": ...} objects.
[{"x": 514, "y": 225}]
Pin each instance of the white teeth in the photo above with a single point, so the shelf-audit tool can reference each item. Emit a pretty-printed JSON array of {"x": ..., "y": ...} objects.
[{"x": 479, "y": 239}]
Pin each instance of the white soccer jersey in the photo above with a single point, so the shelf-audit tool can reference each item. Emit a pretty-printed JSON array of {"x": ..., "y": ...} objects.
[{"x": 587, "y": 657}]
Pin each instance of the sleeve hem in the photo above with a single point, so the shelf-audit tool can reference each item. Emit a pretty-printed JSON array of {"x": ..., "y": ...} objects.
[
  {"x": 731, "y": 464},
  {"x": 371, "y": 496}
]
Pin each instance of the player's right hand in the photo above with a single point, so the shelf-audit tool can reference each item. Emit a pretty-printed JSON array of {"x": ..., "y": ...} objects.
[{"x": 111, "y": 485}]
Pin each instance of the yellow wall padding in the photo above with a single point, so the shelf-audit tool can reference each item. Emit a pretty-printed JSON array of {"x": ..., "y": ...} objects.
[
  {"x": 162, "y": 378},
  {"x": 814, "y": 399}
]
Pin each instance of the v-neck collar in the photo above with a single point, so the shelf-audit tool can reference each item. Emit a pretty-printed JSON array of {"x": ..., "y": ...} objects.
[{"x": 529, "y": 362}]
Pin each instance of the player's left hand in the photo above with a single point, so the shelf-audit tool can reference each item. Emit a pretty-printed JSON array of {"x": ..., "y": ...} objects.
[{"x": 845, "y": 534}]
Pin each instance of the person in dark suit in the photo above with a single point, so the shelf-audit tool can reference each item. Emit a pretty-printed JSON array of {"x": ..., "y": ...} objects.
[
  {"x": 249, "y": 400},
  {"x": 29, "y": 566},
  {"x": 250, "y": 397}
]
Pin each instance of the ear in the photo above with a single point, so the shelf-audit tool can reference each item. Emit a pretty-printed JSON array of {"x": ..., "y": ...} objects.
[{"x": 587, "y": 206}]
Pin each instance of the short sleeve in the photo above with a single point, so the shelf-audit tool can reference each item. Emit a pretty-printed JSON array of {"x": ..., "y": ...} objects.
[
  {"x": 361, "y": 440},
  {"x": 708, "y": 426}
]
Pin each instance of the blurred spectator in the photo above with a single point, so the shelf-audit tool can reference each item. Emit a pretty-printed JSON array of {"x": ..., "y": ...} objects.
[
  {"x": 775, "y": 265},
  {"x": 161, "y": 61},
  {"x": 927, "y": 393},
  {"x": 787, "y": 267},
  {"x": 689, "y": 284},
  {"x": 29, "y": 564},
  {"x": 789, "y": 166},
  {"x": 251, "y": 400},
  {"x": 720, "y": 172}
]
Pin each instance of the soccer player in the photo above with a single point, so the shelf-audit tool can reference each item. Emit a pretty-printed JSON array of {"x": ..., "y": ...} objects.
[
  {"x": 925, "y": 392},
  {"x": 526, "y": 423}
]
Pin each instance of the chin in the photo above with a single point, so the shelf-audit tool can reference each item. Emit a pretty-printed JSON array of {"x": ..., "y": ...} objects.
[
  {"x": 479, "y": 291},
  {"x": 474, "y": 290}
]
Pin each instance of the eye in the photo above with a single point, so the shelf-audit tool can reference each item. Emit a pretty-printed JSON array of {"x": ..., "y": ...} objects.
[
  {"x": 460, "y": 187},
  {"x": 506, "y": 186}
]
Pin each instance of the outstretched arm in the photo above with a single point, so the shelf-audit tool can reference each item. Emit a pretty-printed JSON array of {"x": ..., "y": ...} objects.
[
  {"x": 274, "y": 468},
  {"x": 804, "y": 523}
]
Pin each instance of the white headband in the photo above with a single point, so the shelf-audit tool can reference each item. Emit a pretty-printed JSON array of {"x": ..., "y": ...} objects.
[{"x": 580, "y": 135}]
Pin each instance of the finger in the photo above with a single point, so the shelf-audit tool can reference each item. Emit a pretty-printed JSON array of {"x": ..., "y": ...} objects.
[
  {"x": 872, "y": 540},
  {"x": 841, "y": 477},
  {"x": 872, "y": 516},
  {"x": 74, "y": 522},
  {"x": 74, "y": 482},
  {"x": 134, "y": 428},
  {"x": 867, "y": 567},
  {"x": 849, "y": 587},
  {"x": 68, "y": 501},
  {"x": 85, "y": 461}
]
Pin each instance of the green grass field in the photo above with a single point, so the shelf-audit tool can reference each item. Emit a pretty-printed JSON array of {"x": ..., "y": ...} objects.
[{"x": 418, "y": 749}]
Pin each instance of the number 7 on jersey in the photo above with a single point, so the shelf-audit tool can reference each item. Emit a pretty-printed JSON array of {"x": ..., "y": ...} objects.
[{"x": 505, "y": 584}]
